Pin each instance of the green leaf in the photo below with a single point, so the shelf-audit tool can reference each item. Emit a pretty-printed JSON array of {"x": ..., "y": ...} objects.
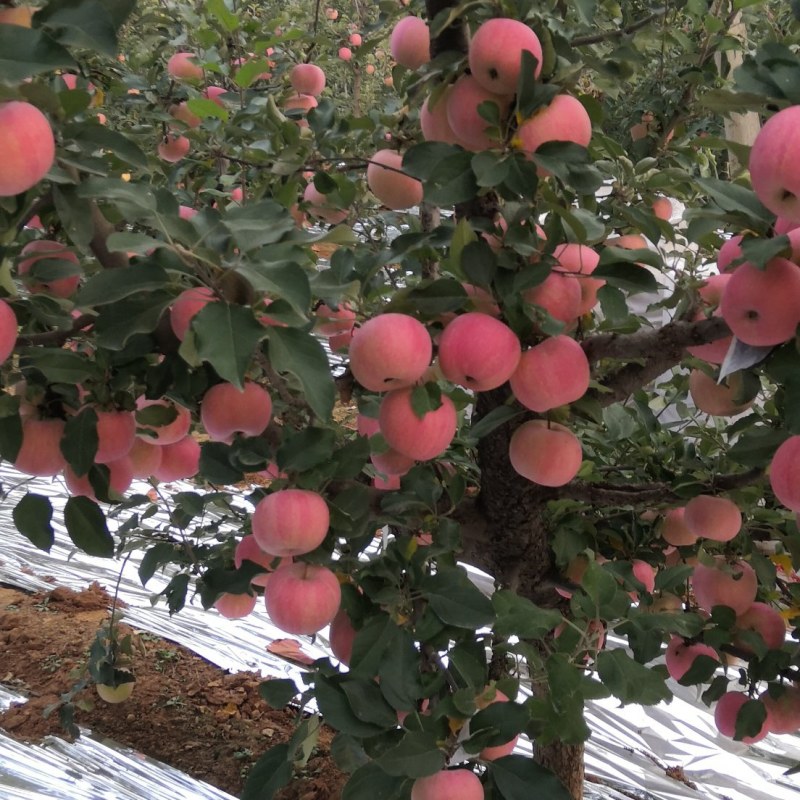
[
  {"x": 415, "y": 756},
  {"x": 493, "y": 420},
  {"x": 370, "y": 782},
  {"x": 335, "y": 707},
  {"x": 216, "y": 464},
  {"x": 32, "y": 515},
  {"x": 226, "y": 336},
  {"x": 60, "y": 366},
  {"x": 203, "y": 107},
  {"x": 249, "y": 72},
  {"x": 757, "y": 446},
  {"x": 750, "y": 719},
  {"x": 306, "y": 449},
  {"x": 25, "y": 52},
  {"x": 86, "y": 526},
  {"x": 367, "y": 703},
  {"x": 80, "y": 23},
  {"x": 140, "y": 313},
  {"x": 736, "y": 198},
  {"x": 79, "y": 442},
  {"x": 298, "y": 353},
  {"x": 110, "y": 286},
  {"x": 257, "y": 224},
  {"x": 220, "y": 12},
  {"x": 271, "y": 772},
  {"x": 451, "y": 181},
  {"x": 92, "y": 137},
  {"x": 278, "y": 692},
  {"x": 159, "y": 554},
  {"x": 138, "y": 243},
  {"x": 284, "y": 280},
  {"x": 515, "y": 775},
  {"x": 517, "y": 616},
  {"x": 456, "y": 600},
  {"x": 630, "y": 681},
  {"x": 630, "y": 277},
  {"x": 422, "y": 160}
]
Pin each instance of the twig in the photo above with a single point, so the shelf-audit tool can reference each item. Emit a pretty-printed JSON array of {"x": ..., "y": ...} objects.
[{"x": 616, "y": 33}]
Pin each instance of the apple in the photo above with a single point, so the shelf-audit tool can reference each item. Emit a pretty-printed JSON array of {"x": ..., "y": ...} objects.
[
  {"x": 145, "y": 458},
  {"x": 341, "y": 637},
  {"x": 40, "y": 453},
  {"x": 390, "y": 351},
  {"x": 774, "y": 167},
  {"x": 389, "y": 184},
  {"x": 179, "y": 460},
  {"x": 8, "y": 331},
  {"x": 27, "y": 144},
  {"x": 116, "y": 433},
  {"x": 715, "y": 518},
  {"x": 391, "y": 462},
  {"x": 559, "y": 295},
  {"x": 173, "y": 147},
  {"x": 551, "y": 374},
  {"x": 418, "y": 438},
  {"x": 545, "y": 453},
  {"x": 301, "y": 102},
  {"x": 662, "y": 208},
  {"x": 578, "y": 259},
  {"x": 410, "y": 43},
  {"x": 43, "y": 249},
  {"x": 478, "y": 352},
  {"x": 466, "y": 123},
  {"x": 433, "y": 120},
  {"x": 730, "y": 251},
  {"x": 290, "y": 522},
  {"x": 449, "y": 784},
  {"x": 367, "y": 426},
  {"x": 18, "y": 15},
  {"x": 501, "y": 750},
  {"x": 674, "y": 530},
  {"x": 248, "y": 549},
  {"x": 302, "y": 598},
  {"x": 762, "y": 306},
  {"x": 115, "y": 694},
  {"x": 495, "y": 54},
  {"x": 784, "y": 473},
  {"x": 319, "y": 206},
  {"x": 355, "y": 39},
  {"x": 307, "y": 79},
  {"x": 181, "y": 112},
  {"x": 726, "y": 712},
  {"x": 119, "y": 479},
  {"x": 733, "y": 585},
  {"x": 334, "y": 323},
  {"x": 784, "y": 710},
  {"x": 168, "y": 433},
  {"x": 227, "y": 410},
  {"x": 235, "y": 606},
  {"x": 345, "y": 53},
  {"x": 710, "y": 397},
  {"x": 680, "y": 656},
  {"x": 186, "y": 305},
  {"x": 765, "y": 620},
  {"x": 183, "y": 67},
  {"x": 564, "y": 120}
]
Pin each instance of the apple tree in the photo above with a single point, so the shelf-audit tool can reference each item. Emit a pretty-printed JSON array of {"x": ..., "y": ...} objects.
[{"x": 439, "y": 284}]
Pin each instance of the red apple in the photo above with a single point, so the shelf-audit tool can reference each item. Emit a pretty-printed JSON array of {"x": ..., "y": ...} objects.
[
  {"x": 28, "y": 147},
  {"x": 545, "y": 453},
  {"x": 418, "y": 438},
  {"x": 389, "y": 184},
  {"x": 302, "y": 598},
  {"x": 495, "y": 54},
  {"x": 227, "y": 410},
  {"x": 291, "y": 522}
]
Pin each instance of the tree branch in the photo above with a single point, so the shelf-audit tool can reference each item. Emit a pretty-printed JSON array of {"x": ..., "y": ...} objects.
[
  {"x": 617, "y": 33},
  {"x": 56, "y": 338}
]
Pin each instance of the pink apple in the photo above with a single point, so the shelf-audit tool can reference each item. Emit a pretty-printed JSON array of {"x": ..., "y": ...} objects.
[
  {"x": 341, "y": 636},
  {"x": 765, "y": 620},
  {"x": 8, "y": 331},
  {"x": 247, "y": 549},
  {"x": 727, "y": 710},
  {"x": 119, "y": 479},
  {"x": 390, "y": 351},
  {"x": 545, "y": 453},
  {"x": 478, "y": 351},
  {"x": 495, "y": 54},
  {"x": 733, "y": 585},
  {"x": 389, "y": 184},
  {"x": 559, "y": 295},
  {"x": 179, "y": 460},
  {"x": 307, "y": 79},
  {"x": 449, "y": 784},
  {"x": 170, "y": 432},
  {"x": 227, "y": 410},
  {"x": 784, "y": 711},
  {"x": 291, "y": 522},
  {"x": 345, "y": 53},
  {"x": 712, "y": 517},
  {"x": 183, "y": 67},
  {"x": 680, "y": 656},
  {"x": 410, "y": 43},
  {"x": 173, "y": 147},
  {"x": 181, "y": 112},
  {"x": 40, "y": 453},
  {"x": 674, "y": 530},
  {"x": 116, "y": 433},
  {"x": 27, "y": 144},
  {"x": 580, "y": 260},
  {"x": 302, "y": 598},
  {"x": 564, "y": 120},
  {"x": 784, "y": 473},
  {"x": 235, "y": 606},
  {"x": 145, "y": 458},
  {"x": 418, "y": 438},
  {"x": 320, "y": 206},
  {"x": 186, "y": 305},
  {"x": 466, "y": 123},
  {"x": 433, "y": 120},
  {"x": 42, "y": 249}
]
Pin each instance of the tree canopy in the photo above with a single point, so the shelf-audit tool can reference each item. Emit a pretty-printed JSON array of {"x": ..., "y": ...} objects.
[{"x": 406, "y": 286}]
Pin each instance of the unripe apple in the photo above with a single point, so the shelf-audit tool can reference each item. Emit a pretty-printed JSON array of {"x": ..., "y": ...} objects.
[
  {"x": 341, "y": 637},
  {"x": 579, "y": 259},
  {"x": 559, "y": 295},
  {"x": 774, "y": 167},
  {"x": 302, "y": 598},
  {"x": 733, "y": 585},
  {"x": 762, "y": 307},
  {"x": 173, "y": 147},
  {"x": 449, "y": 784},
  {"x": 418, "y": 438},
  {"x": 290, "y": 522},
  {"x": 320, "y": 206},
  {"x": 8, "y": 331},
  {"x": 495, "y": 54},
  {"x": 42, "y": 249},
  {"x": 171, "y": 432},
  {"x": 120, "y": 478},
  {"x": 27, "y": 145},
  {"x": 235, "y": 606},
  {"x": 114, "y": 694},
  {"x": 466, "y": 123},
  {"x": 179, "y": 460},
  {"x": 765, "y": 620},
  {"x": 410, "y": 43},
  {"x": 564, "y": 120},
  {"x": 784, "y": 473},
  {"x": 40, "y": 453},
  {"x": 551, "y": 374},
  {"x": 680, "y": 656},
  {"x": 478, "y": 351},
  {"x": 227, "y": 410},
  {"x": 186, "y": 305},
  {"x": 182, "y": 67},
  {"x": 727, "y": 710},
  {"x": 391, "y": 186},
  {"x": 390, "y": 351},
  {"x": 247, "y": 549},
  {"x": 674, "y": 530},
  {"x": 307, "y": 79},
  {"x": 545, "y": 453}
]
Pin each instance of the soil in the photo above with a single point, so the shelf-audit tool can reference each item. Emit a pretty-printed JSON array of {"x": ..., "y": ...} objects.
[{"x": 184, "y": 711}]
